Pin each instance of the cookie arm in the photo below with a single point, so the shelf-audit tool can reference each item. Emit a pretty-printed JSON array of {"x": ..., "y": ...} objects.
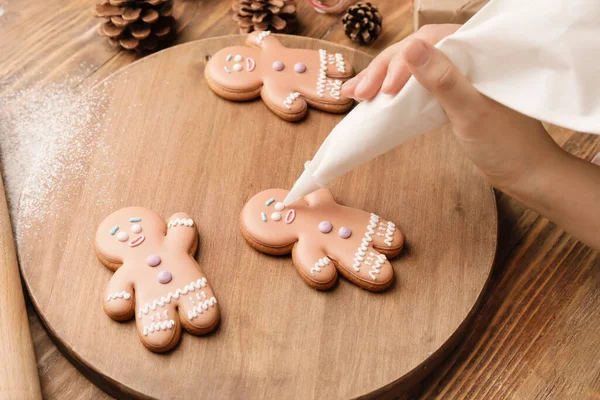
[
  {"x": 118, "y": 300},
  {"x": 320, "y": 196},
  {"x": 263, "y": 40},
  {"x": 182, "y": 232},
  {"x": 313, "y": 265}
]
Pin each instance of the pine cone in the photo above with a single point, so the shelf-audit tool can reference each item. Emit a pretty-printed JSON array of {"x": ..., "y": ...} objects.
[
  {"x": 265, "y": 15},
  {"x": 141, "y": 25},
  {"x": 362, "y": 23}
]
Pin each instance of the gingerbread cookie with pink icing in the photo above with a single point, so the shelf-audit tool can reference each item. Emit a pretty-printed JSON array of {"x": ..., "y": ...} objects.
[
  {"x": 324, "y": 238},
  {"x": 288, "y": 80},
  {"x": 156, "y": 279}
]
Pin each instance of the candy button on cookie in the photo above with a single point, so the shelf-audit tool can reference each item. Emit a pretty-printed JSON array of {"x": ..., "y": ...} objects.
[
  {"x": 164, "y": 277},
  {"x": 325, "y": 226},
  {"x": 153, "y": 260},
  {"x": 300, "y": 67}
]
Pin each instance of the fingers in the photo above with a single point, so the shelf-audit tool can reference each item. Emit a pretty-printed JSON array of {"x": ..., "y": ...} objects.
[
  {"x": 388, "y": 72},
  {"x": 366, "y": 84},
  {"x": 397, "y": 75},
  {"x": 350, "y": 85},
  {"x": 437, "y": 74}
]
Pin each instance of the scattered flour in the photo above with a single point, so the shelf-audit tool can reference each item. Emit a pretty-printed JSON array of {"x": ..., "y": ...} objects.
[{"x": 45, "y": 139}]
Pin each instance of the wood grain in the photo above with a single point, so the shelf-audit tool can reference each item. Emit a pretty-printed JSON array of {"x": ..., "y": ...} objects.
[
  {"x": 55, "y": 40},
  {"x": 18, "y": 369},
  {"x": 174, "y": 145}
]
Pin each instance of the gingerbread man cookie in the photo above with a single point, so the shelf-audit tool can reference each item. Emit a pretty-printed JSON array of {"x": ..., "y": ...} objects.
[
  {"x": 324, "y": 238},
  {"x": 156, "y": 279},
  {"x": 288, "y": 80}
]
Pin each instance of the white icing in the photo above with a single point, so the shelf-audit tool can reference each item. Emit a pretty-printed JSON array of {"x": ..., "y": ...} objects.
[
  {"x": 334, "y": 85},
  {"x": 290, "y": 100},
  {"x": 322, "y": 78},
  {"x": 193, "y": 286},
  {"x": 122, "y": 236},
  {"x": 201, "y": 307},
  {"x": 237, "y": 67},
  {"x": 339, "y": 62},
  {"x": 359, "y": 257},
  {"x": 121, "y": 295},
  {"x": 136, "y": 228},
  {"x": 279, "y": 206},
  {"x": 158, "y": 326},
  {"x": 391, "y": 227},
  {"x": 320, "y": 264},
  {"x": 275, "y": 216},
  {"x": 238, "y": 58},
  {"x": 180, "y": 222},
  {"x": 261, "y": 36},
  {"x": 379, "y": 259}
]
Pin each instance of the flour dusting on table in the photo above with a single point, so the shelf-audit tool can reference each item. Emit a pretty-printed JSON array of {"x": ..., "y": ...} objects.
[{"x": 44, "y": 131}]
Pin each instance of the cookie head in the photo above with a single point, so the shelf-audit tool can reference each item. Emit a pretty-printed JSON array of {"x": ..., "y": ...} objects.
[
  {"x": 128, "y": 230},
  {"x": 235, "y": 68},
  {"x": 267, "y": 221}
]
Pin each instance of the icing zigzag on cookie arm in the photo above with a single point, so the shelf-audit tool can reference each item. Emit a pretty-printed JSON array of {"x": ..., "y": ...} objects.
[{"x": 120, "y": 295}]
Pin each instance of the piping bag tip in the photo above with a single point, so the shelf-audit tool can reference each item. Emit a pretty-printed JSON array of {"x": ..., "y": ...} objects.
[{"x": 305, "y": 185}]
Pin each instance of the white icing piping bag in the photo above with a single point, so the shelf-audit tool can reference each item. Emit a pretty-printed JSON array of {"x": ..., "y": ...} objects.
[{"x": 537, "y": 57}]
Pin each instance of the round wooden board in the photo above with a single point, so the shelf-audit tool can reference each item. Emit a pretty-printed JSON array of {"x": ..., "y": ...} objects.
[{"x": 165, "y": 141}]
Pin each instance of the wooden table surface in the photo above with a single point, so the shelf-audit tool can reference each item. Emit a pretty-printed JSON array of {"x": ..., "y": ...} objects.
[{"x": 537, "y": 333}]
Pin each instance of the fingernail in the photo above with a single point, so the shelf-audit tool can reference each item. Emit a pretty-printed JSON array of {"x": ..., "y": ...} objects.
[
  {"x": 364, "y": 82},
  {"x": 387, "y": 82},
  {"x": 349, "y": 82},
  {"x": 417, "y": 54}
]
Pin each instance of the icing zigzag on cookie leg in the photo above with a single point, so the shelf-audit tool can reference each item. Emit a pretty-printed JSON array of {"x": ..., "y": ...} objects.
[
  {"x": 323, "y": 262},
  {"x": 201, "y": 307},
  {"x": 290, "y": 100},
  {"x": 381, "y": 259},
  {"x": 158, "y": 326}
]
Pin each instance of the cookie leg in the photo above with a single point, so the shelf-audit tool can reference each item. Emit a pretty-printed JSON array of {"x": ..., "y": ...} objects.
[
  {"x": 198, "y": 311},
  {"x": 159, "y": 330},
  {"x": 371, "y": 270},
  {"x": 314, "y": 266},
  {"x": 387, "y": 238}
]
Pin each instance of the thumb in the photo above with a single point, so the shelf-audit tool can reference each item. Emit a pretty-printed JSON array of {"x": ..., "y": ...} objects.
[{"x": 437, "y": 74}]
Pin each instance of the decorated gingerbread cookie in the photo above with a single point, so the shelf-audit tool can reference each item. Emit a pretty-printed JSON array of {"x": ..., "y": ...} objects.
[
  {"x": 288, "y": 80},
  {"x": 156, "y": 279},
  {"x": 324, "y": 238}
]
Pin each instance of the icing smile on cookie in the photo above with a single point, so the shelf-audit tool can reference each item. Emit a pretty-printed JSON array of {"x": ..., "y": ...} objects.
[
  {"x": 137, "y": 241},
  {"x": 250, "y": 64}
]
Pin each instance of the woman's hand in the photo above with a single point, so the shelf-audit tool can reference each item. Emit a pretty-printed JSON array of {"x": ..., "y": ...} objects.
[
  {"x": 388, "y": 71},
  {"x": 513, "y": 152}
]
